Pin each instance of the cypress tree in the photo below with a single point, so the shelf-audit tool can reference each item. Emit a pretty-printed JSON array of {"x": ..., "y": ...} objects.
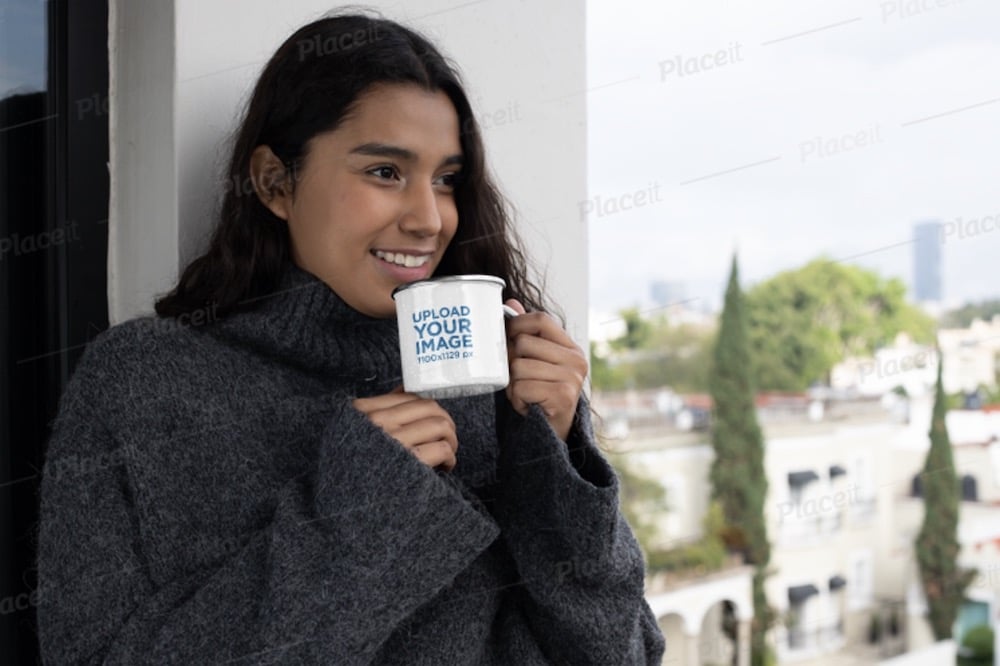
[
  {"x": 737, "y": 472},
  {"x": 937, "y": 545}
]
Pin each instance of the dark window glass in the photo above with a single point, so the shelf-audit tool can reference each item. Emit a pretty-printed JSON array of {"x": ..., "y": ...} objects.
[{"x": 53, "y": 258}]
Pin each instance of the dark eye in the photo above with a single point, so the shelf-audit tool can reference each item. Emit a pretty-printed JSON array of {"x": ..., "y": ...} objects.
[
  {"x": 450, "y": 180},
  {"x": 384, "y": 172}
]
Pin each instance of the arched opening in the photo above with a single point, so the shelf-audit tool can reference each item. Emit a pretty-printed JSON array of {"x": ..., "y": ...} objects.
[
  {"x": 719, "y": 636},
  {"x": 672, "y": 626}
]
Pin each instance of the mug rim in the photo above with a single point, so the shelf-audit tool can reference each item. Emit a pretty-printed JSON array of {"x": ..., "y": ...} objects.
[{"x": 450, "y": 278}]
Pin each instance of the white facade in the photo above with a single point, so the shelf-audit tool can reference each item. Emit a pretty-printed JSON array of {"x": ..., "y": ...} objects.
[
  {"x": 971, "y": 355},
  {"x": 971, "y": 359},
  {"x": 180, "y": 70},
  {"x": 842, "y": 520},
  {"x": 907, "y": 364},
  {"x": 689, "y": 614}
]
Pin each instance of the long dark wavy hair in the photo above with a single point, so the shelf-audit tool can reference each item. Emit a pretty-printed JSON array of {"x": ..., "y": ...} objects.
[{"x": 307, "y": 88}]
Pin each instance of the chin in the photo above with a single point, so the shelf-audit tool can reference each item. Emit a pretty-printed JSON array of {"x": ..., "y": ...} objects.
[{"x": 382, "y": 311}]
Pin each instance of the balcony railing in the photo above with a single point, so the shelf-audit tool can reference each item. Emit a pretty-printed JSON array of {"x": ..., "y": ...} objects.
[
  {"x": 820, "y": 638},
  {"x": 797, "y": 527},
  {"x": 863, "y": 509}
]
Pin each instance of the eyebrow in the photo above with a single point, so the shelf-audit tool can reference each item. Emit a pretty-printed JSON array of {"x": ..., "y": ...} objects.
[{"x": 385, "y": 150}]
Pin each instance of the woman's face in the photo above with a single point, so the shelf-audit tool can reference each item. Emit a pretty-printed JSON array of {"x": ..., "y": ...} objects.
[{"x": 374, "y": 206}]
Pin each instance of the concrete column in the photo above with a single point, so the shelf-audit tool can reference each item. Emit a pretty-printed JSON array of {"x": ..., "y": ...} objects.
[
  {"x": 743, "y": 643},
  {"x": 691, "y": 650}
]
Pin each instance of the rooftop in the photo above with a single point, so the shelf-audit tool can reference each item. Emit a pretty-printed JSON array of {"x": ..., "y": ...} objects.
[{"x": 660, "y": 419}]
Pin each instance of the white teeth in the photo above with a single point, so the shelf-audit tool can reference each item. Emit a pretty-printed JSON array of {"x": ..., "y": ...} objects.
[{"x": 400, "y": 259}]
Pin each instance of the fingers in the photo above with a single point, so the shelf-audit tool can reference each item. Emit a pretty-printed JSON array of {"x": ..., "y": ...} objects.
[
  {"x": 527, "y": 345},
  {"x": 379, "y": 402},
  {"x": 436, "y": 454},
  {"x": 398, "y": 415},
  {"x": 557, "y": 400},
  {"x": 547, "y": 368},
  {"x": 422, "y": 426},
  {"x": 432, "y": 429},
  {"x": 516, "y": 305},
  {"x": 539, "y": 324},
  {"x": 536, "y": 358}
]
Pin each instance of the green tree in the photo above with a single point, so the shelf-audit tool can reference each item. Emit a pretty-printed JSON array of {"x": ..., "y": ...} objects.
[
  {"x": 737, "y": 472},
  {"x": 804, "y": 321},
  {"x": 637, "y": 330},
  {"x": 937, "y": 546},
  {"x": 652, "y": 353},
  {"x": 604, "y": 376},
  {"x": 642, "y": 499},
  {"x": 963, "y": 316}
]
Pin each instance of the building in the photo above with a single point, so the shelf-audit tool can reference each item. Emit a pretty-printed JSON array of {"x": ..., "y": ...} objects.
[
  {"x": 842, "y": 515},
  {"x": 971, "y": 360},
  {"x": 971, "y": 355}
]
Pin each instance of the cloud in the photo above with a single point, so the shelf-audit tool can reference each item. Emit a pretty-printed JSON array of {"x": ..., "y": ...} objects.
[{"x": 797, "y": 111}]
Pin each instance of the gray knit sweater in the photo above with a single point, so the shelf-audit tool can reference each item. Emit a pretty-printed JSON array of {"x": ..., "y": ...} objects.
[{"x": 211, "y": 496}]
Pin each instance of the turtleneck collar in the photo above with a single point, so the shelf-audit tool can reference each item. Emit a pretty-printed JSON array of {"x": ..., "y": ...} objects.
[{"x": 306, "y": 324}]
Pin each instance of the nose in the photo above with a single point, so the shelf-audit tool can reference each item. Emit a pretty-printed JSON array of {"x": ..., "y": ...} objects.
[{"x": 421, "y": 215}]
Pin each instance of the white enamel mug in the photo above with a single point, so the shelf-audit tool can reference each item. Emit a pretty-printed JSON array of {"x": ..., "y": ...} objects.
[{"x": 452, "y": 341}]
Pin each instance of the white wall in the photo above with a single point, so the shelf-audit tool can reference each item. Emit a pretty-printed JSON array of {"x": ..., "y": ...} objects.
[
  {"x": 143, "y": 210},
  {"x": 173, "y": 107},
  {"x": 939, "y": 654}
]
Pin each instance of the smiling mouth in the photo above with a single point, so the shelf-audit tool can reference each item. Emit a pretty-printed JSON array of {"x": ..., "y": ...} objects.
[{"x": 404, "y": 260}]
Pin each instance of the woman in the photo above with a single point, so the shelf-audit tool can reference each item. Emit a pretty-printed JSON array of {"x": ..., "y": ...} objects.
[{"x": 259, "y": 489}]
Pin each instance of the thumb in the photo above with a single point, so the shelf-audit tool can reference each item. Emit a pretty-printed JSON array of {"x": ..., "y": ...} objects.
[{"x": 515, "y": 304}]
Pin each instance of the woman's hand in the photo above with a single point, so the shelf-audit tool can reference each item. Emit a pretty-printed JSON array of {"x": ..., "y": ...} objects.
[
  {"x": 419, "y": 424},
  {"x": 546, "y": 368}
]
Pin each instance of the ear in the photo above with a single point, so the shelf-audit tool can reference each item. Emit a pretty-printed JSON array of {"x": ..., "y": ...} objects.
[{"x": 271, "y": 181}]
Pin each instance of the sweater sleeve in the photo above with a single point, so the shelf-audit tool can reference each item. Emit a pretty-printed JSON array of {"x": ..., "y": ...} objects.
[
  {"x": 580, "y": 565},
  {"x": 348, "y": 555}
]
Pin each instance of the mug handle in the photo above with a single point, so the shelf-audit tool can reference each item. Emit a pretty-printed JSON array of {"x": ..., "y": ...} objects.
[{"x": 509, "y": 312}]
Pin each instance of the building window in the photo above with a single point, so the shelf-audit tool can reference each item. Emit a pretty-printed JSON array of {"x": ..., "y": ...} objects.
[
  {"x": 864, "y": 503},
  {"x": 799, "y": 615},
  {"x": 860, "y": 591},
  {"x": 835, "y": 625},
  {"x": 797, "y": 481},
  {"x": 969, "y": 490}
]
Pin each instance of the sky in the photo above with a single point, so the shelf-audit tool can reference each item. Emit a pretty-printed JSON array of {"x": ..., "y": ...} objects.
[
  {"x": 22, "y": 46},
  {"x": 785, "y": 131},
  {"x": 782, "y": 130}
]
